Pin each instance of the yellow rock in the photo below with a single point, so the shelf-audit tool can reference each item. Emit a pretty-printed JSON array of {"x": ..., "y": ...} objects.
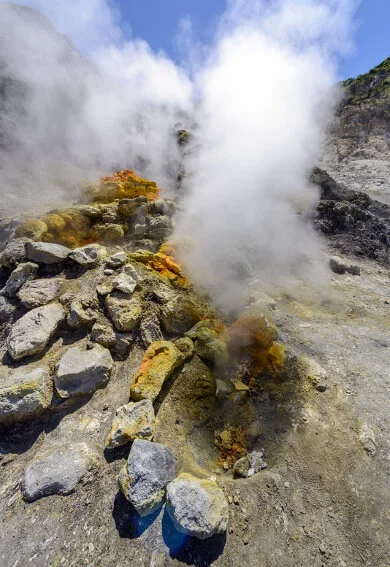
[
  {"x": 160, "y": 360},
  {"x": 33, "y": 228}
]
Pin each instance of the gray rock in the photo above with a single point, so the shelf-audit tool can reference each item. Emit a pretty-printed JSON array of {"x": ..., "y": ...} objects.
[
  {"x": 58, "y": 472},
  {"x": 46, "y": 253},
  {"x": 223, "y": 389},
  {"x": 140, "y": 231},
  {"x": 21, "y": 274},
  {"x": 14, "y": 253},
  {"x": 159, "y": 222},
  {"x": 143, "y": 479},
  {"x": 116, "y": 260},
  {"x": 89, "y": 255},
  {"x": 162, "y": 207},
  {"x": 83, "y": 313},
  {"x": 150, "y": 331},
  {"x": 132, "y": 421},
  {"x": 82, "y": 371},
  {"x": 197, "y": 507},
  {"x": 256, "y": 462},
  {"x": 39, "y": 292},
  {"x": 24, "y": 393},
  {"x": 125, "y": 283},
  {"x": 241, "y": 467},
  {"x": 32, "y": 332},
  {"x": 339, "y": 266},
  {"x": 103, "y": 334},
  {"x": 7, "y": 309},
  {"x": 124, "y": 312}
]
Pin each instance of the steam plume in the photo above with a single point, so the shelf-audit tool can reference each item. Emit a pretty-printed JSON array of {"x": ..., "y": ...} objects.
[{"x": 261, "y": 101}]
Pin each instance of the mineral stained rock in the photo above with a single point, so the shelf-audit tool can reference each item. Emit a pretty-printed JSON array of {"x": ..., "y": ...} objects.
[
  {"x": 32, "y": 332},
  {"x": 46, "y": 253},
  {"x": 179, "y": 315},
  {"x": 24, "y": 393},
  {"x": 123, "y": 311},
  {"x": 82, "y": 371},
  {"x": 143, "y": 480},
  {"x": 186, "y": 346},
  {"x": 82, "y": 314},
  {"x": 160, "y": 360},
  {"x": 197, "y": 507},
  {"x": 132, "y": 421},
  {"x": 39, "y": 292},
  {"x": 57, "y": 473},
  {"x": 150, "y": 331}
]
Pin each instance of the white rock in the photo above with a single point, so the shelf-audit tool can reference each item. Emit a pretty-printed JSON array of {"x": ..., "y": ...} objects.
[{"x": 32, "y": 332}]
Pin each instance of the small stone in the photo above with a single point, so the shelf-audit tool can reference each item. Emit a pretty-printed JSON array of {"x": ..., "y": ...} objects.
[
  {"x": 82, "y": 371},
  {"x": 39, "y": 292},
  {"x": 32, "y": 332},
  {"x": 57, "y": 473},
  {"x": 88, "y": 256},
  {"x": 179, "y": 315},
  {"x": 150, "y": 331},
  {"x": 125, "y": 283},
  {"x": 186, "y": 346},
  {"x": 105, "y": 288},
  {"x": 160, "y": 360},
  {"x": 46, "y": 253},
  {"x": 124, "y": 312},
  {"x": 241, "y": 467},
  {"x": 24, "y": 393},
  {"x": 197, "y": 507},
  {"x": 223, "y": 389},
  {"x": 103, "y": 333},
  {"x": 321, "y": 387},
  {"x": 132, "y": 421},
  {"x": 108, "y": 272},
  {"x": 116, "y": 260},
  {"x": 21, "y": 274},
  {"x": 367, "y": 439},
  {"x": 256, "y": 462},
  {"x": 83, "y": 313},
  {"x": 143, "y": 480}
]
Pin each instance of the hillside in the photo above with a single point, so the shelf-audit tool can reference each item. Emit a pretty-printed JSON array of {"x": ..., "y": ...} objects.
[{"x": 357, "y": 153}]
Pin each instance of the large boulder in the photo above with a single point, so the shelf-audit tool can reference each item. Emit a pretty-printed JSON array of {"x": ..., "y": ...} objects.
[
  {"x": 82, "y": 371},
  {"x": 197, "y": 507},
  {"x": 125, "y": 312},
  {"x": 132, "y": 421},
  {"x": 21, "y": 274},
  {"x": 24, "y": 393},
  {"x": 57, "y": 473},
  {"x": 160, "y": 360},
  {"x": 39, "y": 292},
  {"x": 32, "y": 332},
  {"x": 46, "y": 253},
  {"x": 179, "y": 315},
  {"x": 143, "y": 479}
]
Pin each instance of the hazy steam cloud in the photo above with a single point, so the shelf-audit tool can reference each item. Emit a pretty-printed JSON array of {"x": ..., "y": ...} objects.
[{"x": 261, "y": 101}]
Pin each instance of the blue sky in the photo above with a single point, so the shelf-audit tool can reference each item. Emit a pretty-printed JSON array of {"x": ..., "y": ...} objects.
[{"x": 157, "y": 22}]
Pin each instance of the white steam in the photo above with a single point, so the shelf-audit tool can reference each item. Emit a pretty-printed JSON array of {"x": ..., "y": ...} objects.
[{"x": 261, "y": 101}]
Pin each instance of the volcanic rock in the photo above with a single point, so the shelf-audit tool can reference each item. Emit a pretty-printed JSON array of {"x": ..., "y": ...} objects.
[
  {"x": 132, "y": 421},
  {"x": 150, "y": 331},
  {"x": 7, "y": 309},
  {"x": 116, "y": 260},
  {"x": 46, "y": 253},
  {"x": 24, "y": 393},
  {"x": 160, "y": 360},
  {"x": 82, "y": 371},
  {"x": 39, "y": 292},
  {"x": 83, "y": 313},
  {"x": 89, "y": 255},
  {"x": 149, "y": 468},
  {"x": 57, "y": 473},
  {"x": 32, "y": 332},
  {"x": 123, "y": 311},
  {"x": 186, "y": 346},
  {"x": 21, "y": 274},
  {"x": 339, "y": 266},
  {"x": 14, "y": 253},
  {"x": 197, "y": 507},
  {"x": 179, "y": 315}
]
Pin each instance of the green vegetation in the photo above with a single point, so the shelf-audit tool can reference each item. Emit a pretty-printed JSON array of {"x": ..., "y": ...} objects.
[{"x": 370, "y": 87}]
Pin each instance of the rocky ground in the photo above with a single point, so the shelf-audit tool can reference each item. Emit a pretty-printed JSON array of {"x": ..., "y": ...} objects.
[{"x": 139, "y": 426}]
